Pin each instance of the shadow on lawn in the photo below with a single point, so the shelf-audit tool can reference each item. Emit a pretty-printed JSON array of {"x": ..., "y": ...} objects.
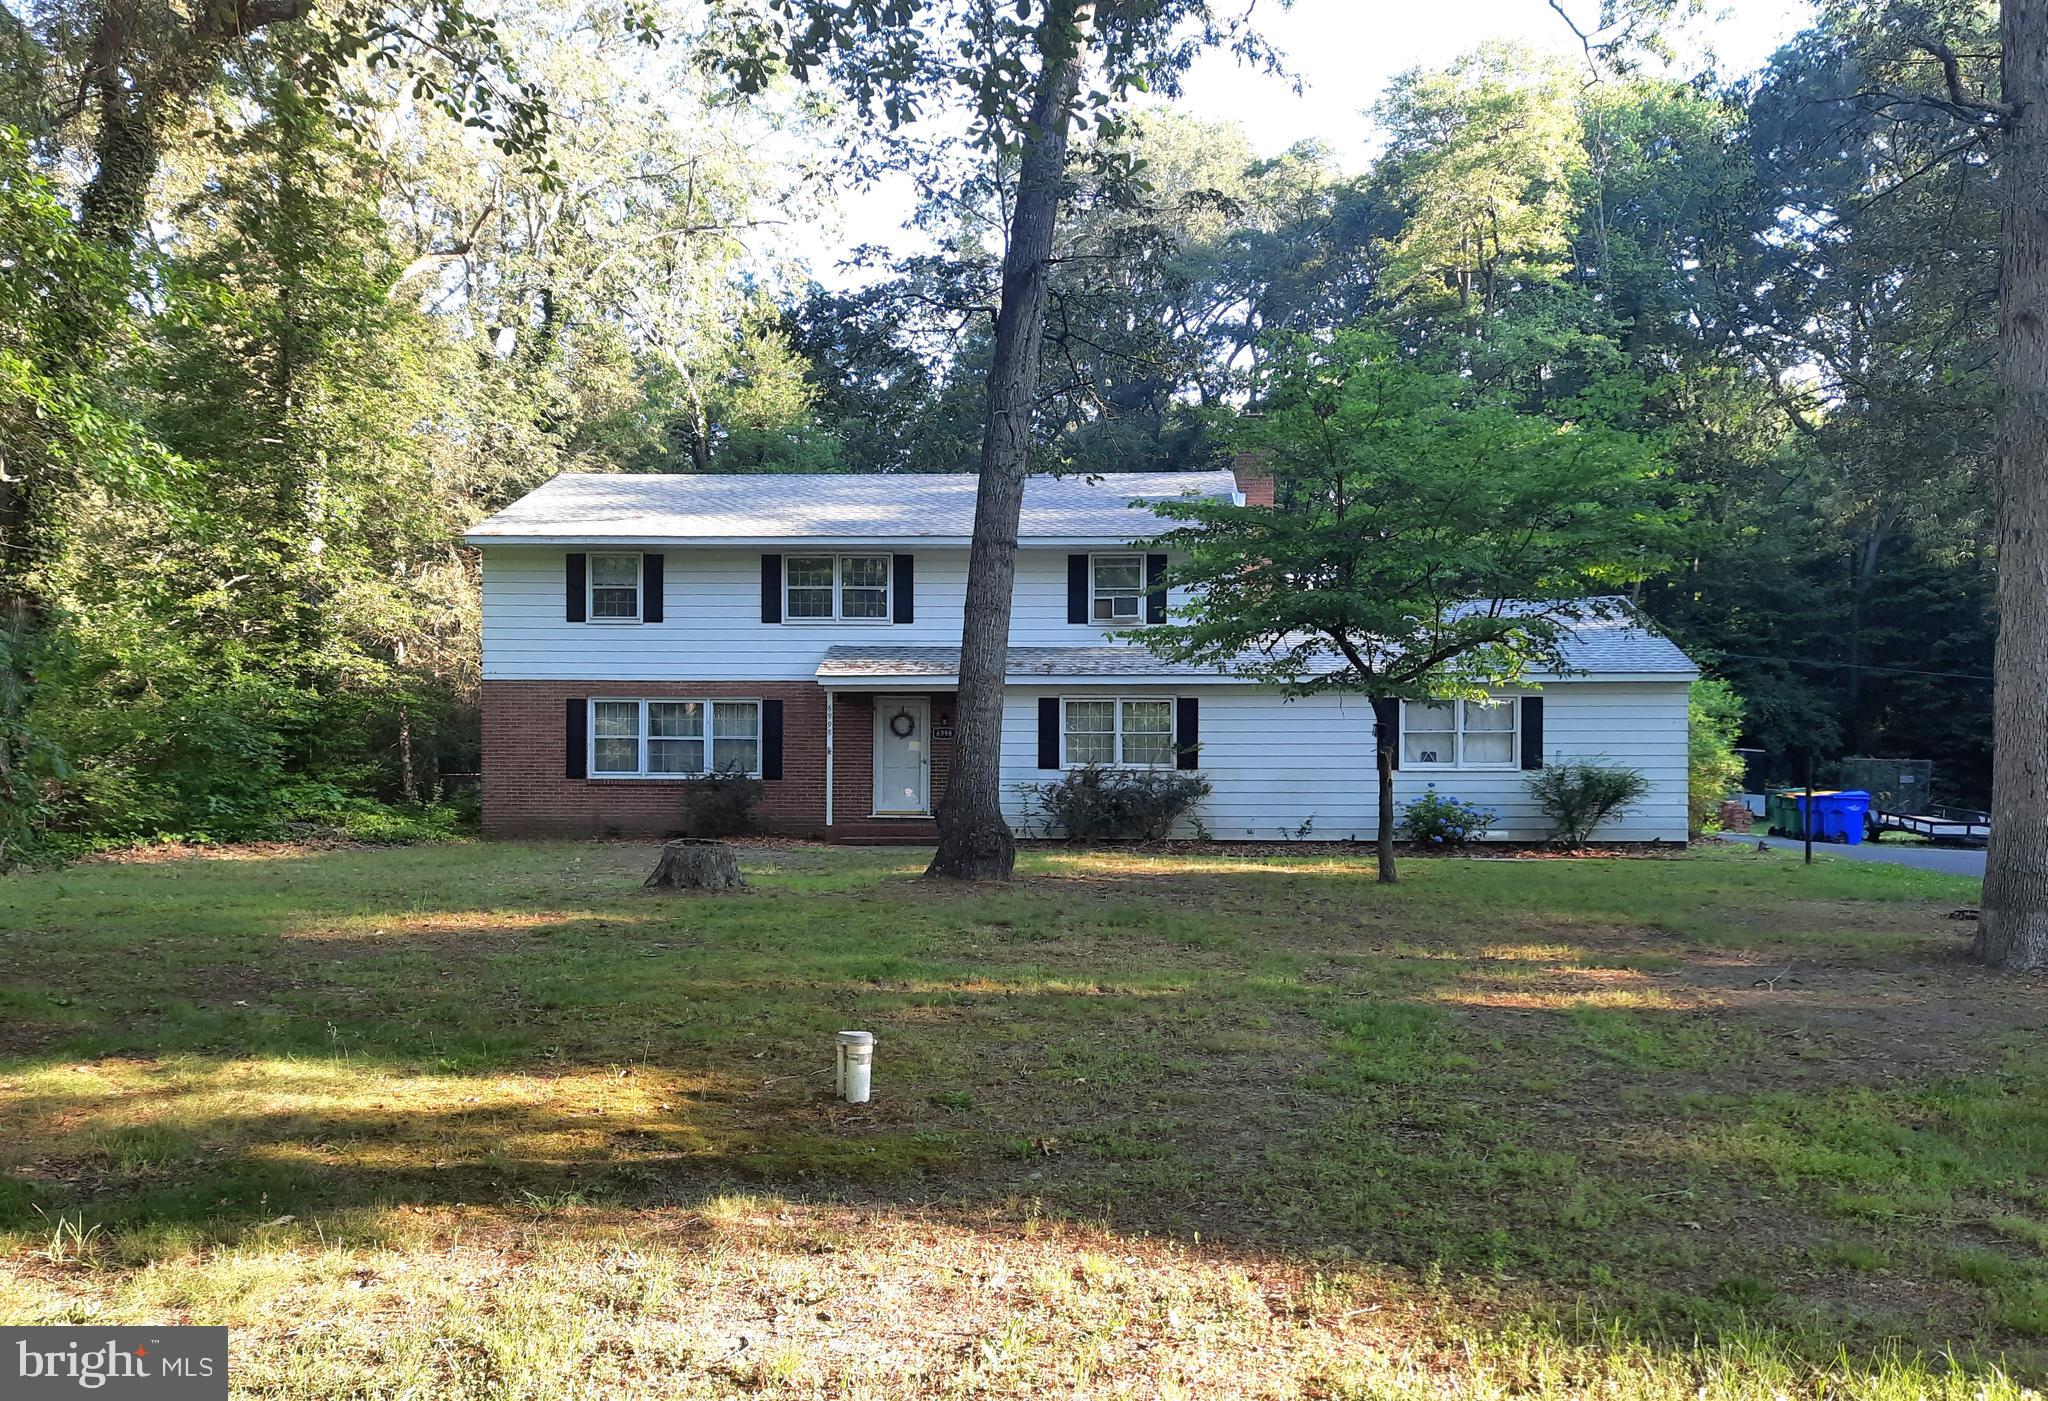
[
  {"x": 1441, "y": 1077},
  {"x": 237, "y": 1179}
]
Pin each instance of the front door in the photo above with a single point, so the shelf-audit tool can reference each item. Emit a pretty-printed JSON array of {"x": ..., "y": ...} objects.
[{"x": 903, "y": 754}]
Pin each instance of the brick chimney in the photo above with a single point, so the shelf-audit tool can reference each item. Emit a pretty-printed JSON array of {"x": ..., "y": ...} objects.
[{"x": 1254, "y": 479}]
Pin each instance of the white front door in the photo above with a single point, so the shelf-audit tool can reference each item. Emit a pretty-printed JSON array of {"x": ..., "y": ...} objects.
[{"x": 903, "y": 754}]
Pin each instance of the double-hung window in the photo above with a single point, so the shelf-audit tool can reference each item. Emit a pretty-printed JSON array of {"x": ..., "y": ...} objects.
[
  {"x": 1117, "y": 588},
  {"x": 1459, "y": 734},
  {"x": 826, "y": 588},
  {"x": 614, "y": 588},
  {"x": 669, "y": 738},
  {"x": 1125, "y": 733}
]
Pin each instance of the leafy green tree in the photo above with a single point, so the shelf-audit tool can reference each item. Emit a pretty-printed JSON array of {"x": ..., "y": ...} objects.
[
  {"x": 65, "y": 427},
  {"x": 1428, "y": 542},
  {"x": 1483, "y": 159},
  {"x": 263, "y": 622},
  {"x": 1712, "y": 767}
]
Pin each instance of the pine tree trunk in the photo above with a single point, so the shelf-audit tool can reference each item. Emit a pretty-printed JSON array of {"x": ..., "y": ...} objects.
[
  {"x": 2013, "y": 929},
  {"x": 1386, "y": 724},
  {"x": 974, "y": 841},
  {"x": 408, "y": 779}
]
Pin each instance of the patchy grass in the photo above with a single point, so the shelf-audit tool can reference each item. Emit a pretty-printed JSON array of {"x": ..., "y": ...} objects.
[{"x": 488, "y": 1121}]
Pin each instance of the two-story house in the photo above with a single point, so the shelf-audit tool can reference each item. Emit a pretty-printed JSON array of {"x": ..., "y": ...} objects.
[{"x": 640, "y": 630}]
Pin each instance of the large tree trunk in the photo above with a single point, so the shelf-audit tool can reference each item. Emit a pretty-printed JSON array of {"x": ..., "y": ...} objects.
[
  {"x": 2013, "y": 929},
  {"x": 1385, "y": 725},
  {"x": 974, "y": 840}
]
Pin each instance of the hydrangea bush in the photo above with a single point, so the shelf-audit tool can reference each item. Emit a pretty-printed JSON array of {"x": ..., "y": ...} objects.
[{"x": 1435, "y": 819}]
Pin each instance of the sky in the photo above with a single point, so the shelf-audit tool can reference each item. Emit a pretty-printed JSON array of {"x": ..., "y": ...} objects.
[{"x": 1344, "y": 52}]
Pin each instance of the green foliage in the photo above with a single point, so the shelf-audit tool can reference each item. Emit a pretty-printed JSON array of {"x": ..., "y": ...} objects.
[
  {"x": 1102, "y": 804},
  {"x": 1429, "y": 540},
  {"x": 1713, "y": 769},
  {"x": 721, "y": 804},
  {"x": 1578, "y": 797},
  {"x": 1436, "y": 819},
  {"x": 1751, "y": 319},
  {"x": 1485, "y": 159}
]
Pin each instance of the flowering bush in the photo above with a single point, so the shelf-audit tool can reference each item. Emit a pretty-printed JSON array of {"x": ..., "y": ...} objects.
[{"x": 1436, "y": 820}]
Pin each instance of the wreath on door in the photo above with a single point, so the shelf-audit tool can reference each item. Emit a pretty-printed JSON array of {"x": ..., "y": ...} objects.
[{"x": 903, "y": 724}]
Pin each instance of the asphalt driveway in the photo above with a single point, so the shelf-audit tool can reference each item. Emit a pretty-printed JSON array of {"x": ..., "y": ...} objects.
[{"x": 1951, "y": 860}]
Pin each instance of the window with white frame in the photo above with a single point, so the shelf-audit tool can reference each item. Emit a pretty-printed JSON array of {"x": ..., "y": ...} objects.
[
  {"x": 668, "y": 738},
  {"x": 1460, "y": 734},
  {"x": 1125, "y": 733},
  {"x": 1118, "y": 584},
  {"x": 827, "y": 588},
  {"x": 614, "y": 588}
]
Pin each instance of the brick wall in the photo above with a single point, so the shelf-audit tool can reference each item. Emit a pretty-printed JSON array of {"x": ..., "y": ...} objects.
[
  {"x": 853, "y": 772},
  {"x": 1254, "y": 479},
  {"x": 526, "y": 792}
]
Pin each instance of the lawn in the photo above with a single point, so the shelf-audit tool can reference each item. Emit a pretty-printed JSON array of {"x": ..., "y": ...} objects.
[{"x": 486, "y": 1120}]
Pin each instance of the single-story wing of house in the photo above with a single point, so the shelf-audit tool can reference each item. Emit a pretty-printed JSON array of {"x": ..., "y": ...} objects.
[{"x": 639, "y": 631}]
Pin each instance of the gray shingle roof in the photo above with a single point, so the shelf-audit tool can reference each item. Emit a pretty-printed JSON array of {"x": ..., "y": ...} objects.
[
  {"x": 863, "y": 662},
  {"x": 829, "y": 506},
  {"x": 1619, "y": 644},
  {"x": 1624, "y": 642}
]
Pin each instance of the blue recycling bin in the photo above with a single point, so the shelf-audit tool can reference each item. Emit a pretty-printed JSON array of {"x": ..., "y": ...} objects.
[{"x": 1839, "y": 816}]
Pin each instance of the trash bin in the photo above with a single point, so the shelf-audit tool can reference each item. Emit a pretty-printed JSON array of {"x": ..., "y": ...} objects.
[
  {"x": 1782, "y": 815},
  {"x": 1839, "y": 816}
]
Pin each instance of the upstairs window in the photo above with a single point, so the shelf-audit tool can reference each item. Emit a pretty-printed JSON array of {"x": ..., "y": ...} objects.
[
  {"x": 1118, "y": 589},
  {"x": 844, "y": 588},
  {"x": 614, "y": 588},
  {"x": 1460, "y": 734}
]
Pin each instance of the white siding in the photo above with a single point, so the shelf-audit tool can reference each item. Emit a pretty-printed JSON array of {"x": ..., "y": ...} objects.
[
  {"x": 712, "y": 628},
  {"x": 1276, "y": 764}
]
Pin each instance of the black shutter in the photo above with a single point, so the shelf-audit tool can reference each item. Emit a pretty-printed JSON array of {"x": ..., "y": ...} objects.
[
  {"x": 1155, "y": 588},
  {"x": 650, "y": 588},
  {"x": 1532, "y": 732},
  {"x": 1187, "y": 733},
  {"x": 576, "y": 737},
  {"x": 1386, "y": 720},
  {"x": 903, "y": 575},
  {"x": 771, "y": 737},
  {"x": 1077, "y": 591},
  {"x": 771, "y": 588},
  {"x": 1049, "y": 730},
  {"x": 573, "y": 603}
]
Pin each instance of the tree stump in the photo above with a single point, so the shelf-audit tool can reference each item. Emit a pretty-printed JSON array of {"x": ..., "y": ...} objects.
[{"x": 692, "y": 863}]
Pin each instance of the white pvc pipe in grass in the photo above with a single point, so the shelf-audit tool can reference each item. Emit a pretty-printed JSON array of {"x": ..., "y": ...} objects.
[{"x": 854, "y": 1065}]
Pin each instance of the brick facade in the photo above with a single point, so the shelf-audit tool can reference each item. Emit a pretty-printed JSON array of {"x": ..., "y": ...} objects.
[{"x": 527, "y": 792}]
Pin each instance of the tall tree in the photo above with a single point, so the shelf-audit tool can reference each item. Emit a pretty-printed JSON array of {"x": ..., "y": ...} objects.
[
  {"x": 2013, "y": 929},
  {"x": 1028, "y": 72},
  {"x": 126, "y": 77}
]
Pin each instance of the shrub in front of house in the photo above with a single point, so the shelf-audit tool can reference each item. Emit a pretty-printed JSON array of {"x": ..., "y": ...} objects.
[
  {"x": 1440, "y": 820},
  {"x": 1098, "y": 804},
  {"x": 720, "y": 804},
  {"x": 1579, "y": 797},
  {"x": 1713, "y": 769}
]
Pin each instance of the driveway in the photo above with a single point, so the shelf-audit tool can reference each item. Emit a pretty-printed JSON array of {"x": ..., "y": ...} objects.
[{"x": 1949, "y": 860}]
